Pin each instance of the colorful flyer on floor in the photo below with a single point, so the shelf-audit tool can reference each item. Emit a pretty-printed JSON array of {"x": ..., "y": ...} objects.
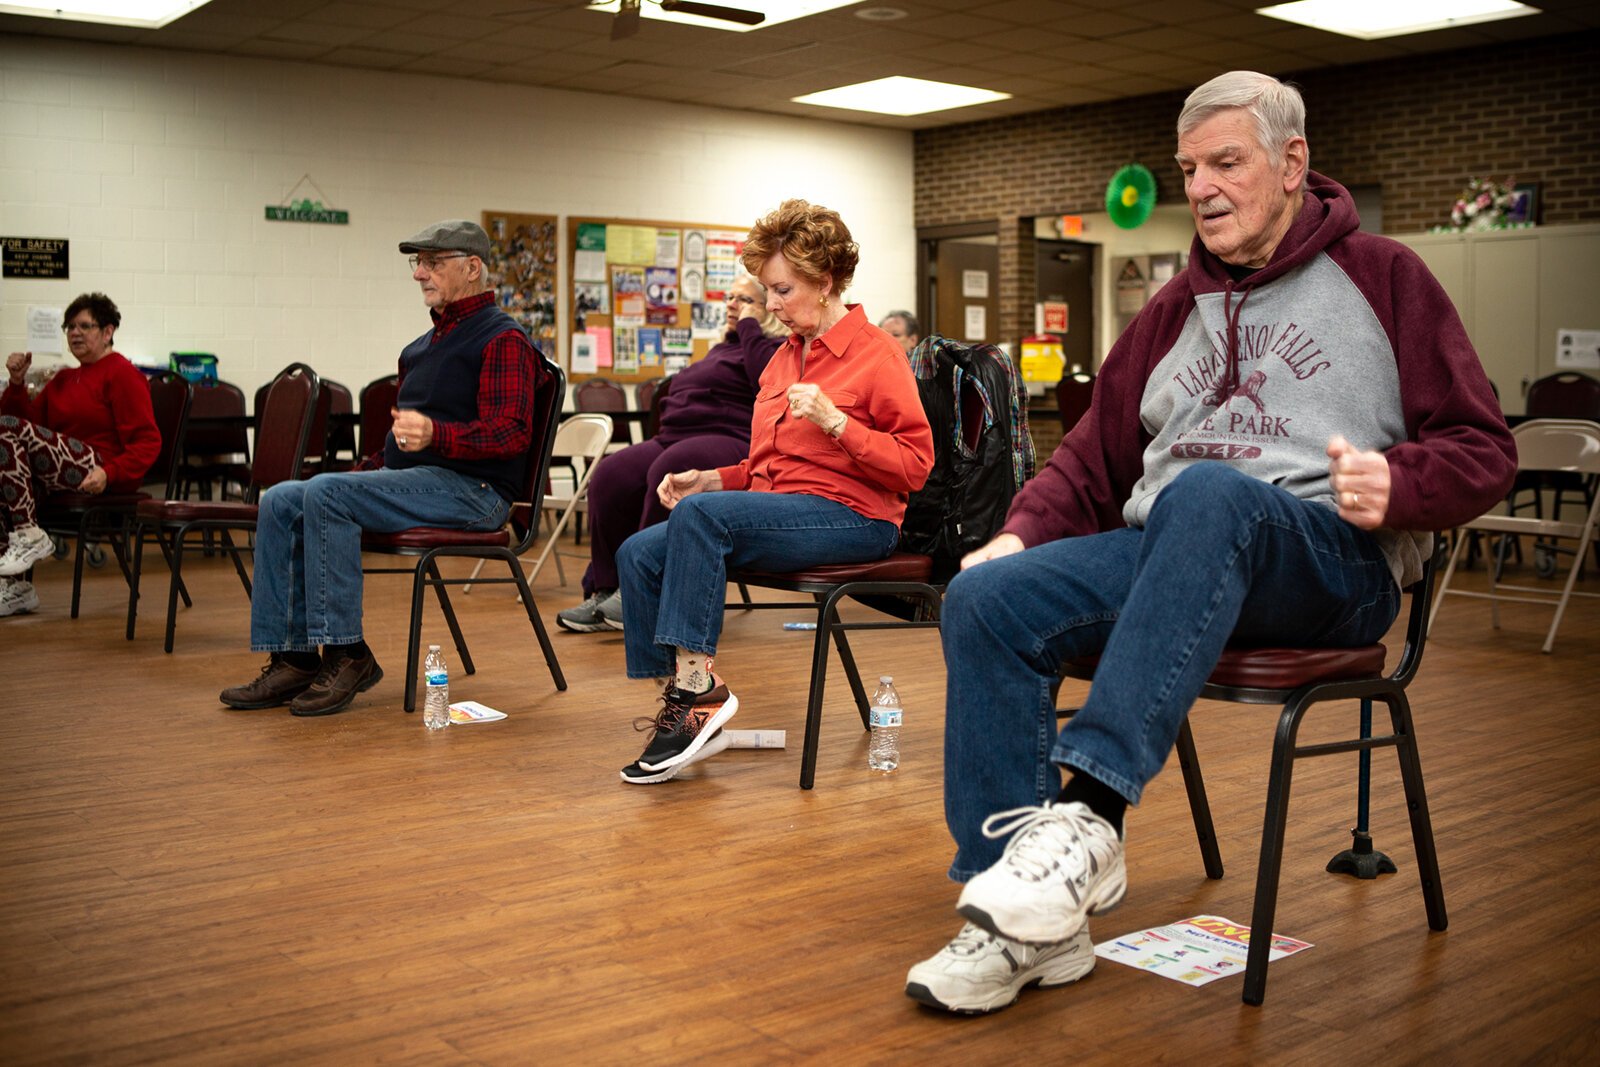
[
  {"x": 471, "y": 711},
  {"x": 1193, "y": 951}
]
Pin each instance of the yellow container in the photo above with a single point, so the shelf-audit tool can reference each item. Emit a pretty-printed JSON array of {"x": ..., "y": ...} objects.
[{"x": 1042, "y": 359}]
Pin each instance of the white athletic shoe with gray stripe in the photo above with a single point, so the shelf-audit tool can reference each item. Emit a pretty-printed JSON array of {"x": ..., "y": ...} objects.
[
  {"x": 1062, "y": 864},
  {"x": 978, "y": 972}
]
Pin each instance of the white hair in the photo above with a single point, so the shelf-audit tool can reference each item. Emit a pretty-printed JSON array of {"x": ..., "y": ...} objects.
[{"x": 1276, "y": 108}]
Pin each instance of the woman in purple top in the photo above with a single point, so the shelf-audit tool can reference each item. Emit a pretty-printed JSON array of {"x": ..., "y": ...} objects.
[{"x": 705, "y": 424}]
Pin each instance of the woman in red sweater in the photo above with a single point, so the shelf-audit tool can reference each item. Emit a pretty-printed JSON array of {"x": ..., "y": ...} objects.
[{"x": 91, "y": 429}]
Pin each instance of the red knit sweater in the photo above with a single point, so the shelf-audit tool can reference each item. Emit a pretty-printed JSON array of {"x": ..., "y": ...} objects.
[{"x": 106, "y": 405}]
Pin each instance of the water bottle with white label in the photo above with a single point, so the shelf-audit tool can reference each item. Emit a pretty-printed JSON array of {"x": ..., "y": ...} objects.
[
  {"x": 436, "y": 705},
  {"x": 885, "y": 717}
]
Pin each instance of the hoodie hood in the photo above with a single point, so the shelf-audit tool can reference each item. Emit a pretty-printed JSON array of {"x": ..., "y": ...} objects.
[{"x": 1327, "y": 213}]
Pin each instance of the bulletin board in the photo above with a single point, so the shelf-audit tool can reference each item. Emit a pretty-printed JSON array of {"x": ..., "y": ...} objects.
[
  {"x": 648, "y": 296},
  {"x": 522, "y": 269}
]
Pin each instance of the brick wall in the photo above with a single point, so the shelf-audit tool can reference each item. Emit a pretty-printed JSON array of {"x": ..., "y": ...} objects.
[{"x": 1417, "y": 127}]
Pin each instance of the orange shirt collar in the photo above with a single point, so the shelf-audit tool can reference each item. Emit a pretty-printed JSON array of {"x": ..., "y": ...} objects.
[{"x": 840, "y": 335}]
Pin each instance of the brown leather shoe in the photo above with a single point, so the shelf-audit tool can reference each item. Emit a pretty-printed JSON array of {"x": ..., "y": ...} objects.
[
  {"x": 342, "y": 676},
  {"x": 278, "y": 683}
]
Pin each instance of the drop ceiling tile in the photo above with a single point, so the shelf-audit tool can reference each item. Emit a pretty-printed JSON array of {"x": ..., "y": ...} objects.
[{"x": 1018, "y": 39}]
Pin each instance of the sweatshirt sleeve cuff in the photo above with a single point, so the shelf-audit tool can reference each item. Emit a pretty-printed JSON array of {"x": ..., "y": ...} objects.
[{"x": 733, "y": 477}]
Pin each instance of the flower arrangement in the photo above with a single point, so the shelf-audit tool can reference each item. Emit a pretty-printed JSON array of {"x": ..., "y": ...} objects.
[{"x": 1484, "y": 204}]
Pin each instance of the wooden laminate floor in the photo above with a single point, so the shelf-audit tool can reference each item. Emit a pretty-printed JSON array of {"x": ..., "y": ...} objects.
[{"x": 185, "y": 884}]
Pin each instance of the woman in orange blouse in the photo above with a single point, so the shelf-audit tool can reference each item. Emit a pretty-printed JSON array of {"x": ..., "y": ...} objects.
[{"x": 838, "y": 441}]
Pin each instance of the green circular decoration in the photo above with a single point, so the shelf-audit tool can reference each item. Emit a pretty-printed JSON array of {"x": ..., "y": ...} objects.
[{"x": 1131, "y": 196}]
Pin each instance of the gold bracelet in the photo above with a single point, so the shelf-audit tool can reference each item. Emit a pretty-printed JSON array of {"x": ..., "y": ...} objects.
[{"x": 838, "y": 427}]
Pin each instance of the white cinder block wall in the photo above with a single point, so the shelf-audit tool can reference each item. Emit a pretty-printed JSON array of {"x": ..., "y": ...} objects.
[{"x": 157, "y": 166}]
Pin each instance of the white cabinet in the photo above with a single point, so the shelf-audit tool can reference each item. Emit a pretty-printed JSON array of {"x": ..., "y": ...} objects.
[{"x": 1514, "y": 289}]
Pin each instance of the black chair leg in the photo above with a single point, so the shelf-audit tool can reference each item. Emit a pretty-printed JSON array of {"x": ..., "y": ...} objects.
[
  {"x": 1274, "y": 821},
  {"x": 852, "y": 673},
  {"x": 414, "y": 638},
  {"x": 1199, "y": 806},
  {"x": 172, "y": 587},
  {"x": 238, "y": 564},
  {"x": 436, "y": 580},
  {"x": 133, "y": 583},
  {"x": 166, "y": 554},
  {"x": 539, "y": 630},
  {"x": 1417, "y": 806},
  {"x": 77, "y": 563},
  {"x": 819, "y": 679}
]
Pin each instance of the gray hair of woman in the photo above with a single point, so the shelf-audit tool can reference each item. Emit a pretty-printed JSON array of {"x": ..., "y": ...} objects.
[
  {"x": 1277, "y": 109},
  {"x": 770, "y": 326}
]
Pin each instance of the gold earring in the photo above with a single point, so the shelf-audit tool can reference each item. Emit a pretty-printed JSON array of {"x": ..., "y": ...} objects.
[{"x": 824, "y": 299}]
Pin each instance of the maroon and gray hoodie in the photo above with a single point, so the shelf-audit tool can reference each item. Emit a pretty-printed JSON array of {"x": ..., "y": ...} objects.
[{"x": 1342, "y": 332}]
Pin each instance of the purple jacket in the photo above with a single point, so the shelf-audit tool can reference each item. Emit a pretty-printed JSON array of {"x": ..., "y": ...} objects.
[{"x": 717, "y": 394}]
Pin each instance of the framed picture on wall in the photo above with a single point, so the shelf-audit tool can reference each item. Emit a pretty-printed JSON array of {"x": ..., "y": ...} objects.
[{"x": 1524, "y": 204}]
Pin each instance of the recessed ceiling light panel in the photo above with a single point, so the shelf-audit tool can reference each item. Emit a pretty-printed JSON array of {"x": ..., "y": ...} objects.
[
  {"x": 146, "y": 14},
  {"x": 1371, "y": 19},
  {"x": 901, "y": 96}
]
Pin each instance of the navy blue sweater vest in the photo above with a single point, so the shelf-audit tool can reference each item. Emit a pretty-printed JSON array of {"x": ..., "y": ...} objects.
[{"x": 440, "y": 380}]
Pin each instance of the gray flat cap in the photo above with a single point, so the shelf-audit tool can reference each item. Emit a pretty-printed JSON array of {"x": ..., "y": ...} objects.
[{"x": 451, "y": 235}]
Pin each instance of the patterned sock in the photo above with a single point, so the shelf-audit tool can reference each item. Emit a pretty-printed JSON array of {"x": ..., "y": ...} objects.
[{"x": 694, "y": 672}]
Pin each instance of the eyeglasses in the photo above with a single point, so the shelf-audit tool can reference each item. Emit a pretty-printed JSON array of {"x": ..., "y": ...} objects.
[
  {"x": 81, "y": 327},
  {"x": 431, "y": 263}
]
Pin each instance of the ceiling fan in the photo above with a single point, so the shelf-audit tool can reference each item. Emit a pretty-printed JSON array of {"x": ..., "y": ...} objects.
[{"x": 626, "y": 23}]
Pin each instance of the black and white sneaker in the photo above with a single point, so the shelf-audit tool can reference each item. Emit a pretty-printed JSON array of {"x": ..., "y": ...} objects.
[
  {"x": 610, "y": 610},
  {"x": 634, "y": 774},
  {"x": 684, "y": 724},
  {"x": 586, "y": 617}
]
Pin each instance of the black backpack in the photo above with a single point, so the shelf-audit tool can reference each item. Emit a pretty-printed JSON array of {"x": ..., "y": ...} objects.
[{"x": 977, "y": 405}]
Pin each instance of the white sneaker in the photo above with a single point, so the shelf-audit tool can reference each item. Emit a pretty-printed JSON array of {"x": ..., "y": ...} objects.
[
  {"x": 978, "y": 972},
  {"x": 1062, "y": 864},
  {"x": 17, "y": 598},
  {"x": 28, "y": 545}
]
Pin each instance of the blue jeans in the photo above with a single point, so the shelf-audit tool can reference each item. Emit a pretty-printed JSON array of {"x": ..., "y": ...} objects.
[
  {"x": 674, "y": 575},
  {"x": 1223, "y": 557},
  {"x": 308, "y": 545}
]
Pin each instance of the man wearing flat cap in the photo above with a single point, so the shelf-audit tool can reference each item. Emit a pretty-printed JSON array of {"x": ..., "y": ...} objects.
[{"x": 454, "y": 458}]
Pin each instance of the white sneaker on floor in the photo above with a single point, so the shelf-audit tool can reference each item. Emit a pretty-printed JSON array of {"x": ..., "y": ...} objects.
[
  {"x": 17, "y": 598},
  {"x": 1062, "y": 864},
  {"x": 978, "y": 972},
  {"x": 28, "y": 545}
]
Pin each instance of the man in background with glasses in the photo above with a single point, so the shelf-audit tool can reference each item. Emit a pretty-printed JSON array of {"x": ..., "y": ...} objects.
[{"x": 454, "y": 458}]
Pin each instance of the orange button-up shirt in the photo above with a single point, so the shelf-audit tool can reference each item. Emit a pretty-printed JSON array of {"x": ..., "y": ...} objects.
[{"x": 886, "y": 449}]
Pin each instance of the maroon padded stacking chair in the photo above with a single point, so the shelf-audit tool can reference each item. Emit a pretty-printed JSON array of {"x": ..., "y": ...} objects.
[
  {"x": 647, "y": 396},
  {"x": 1297, "y": 679},
  {"x": 606, "y": 396},
  {"x": 1074, "y": 393},
  {"x": 110, "y": 515},
  {"x": 427, "y": 544},
  {"x": 285, "y": 416},
  {"x": 378, "y": 398},
  {"x": 209, "y": 447}
]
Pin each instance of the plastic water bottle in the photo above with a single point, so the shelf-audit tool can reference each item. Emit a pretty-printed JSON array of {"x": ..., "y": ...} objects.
[
  {"x": 885, "y": 717},
  {"x": 436, "y": 706}
]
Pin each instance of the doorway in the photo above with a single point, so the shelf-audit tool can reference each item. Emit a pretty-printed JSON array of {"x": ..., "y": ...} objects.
[
  {"x": 1064, "y": 274},
  {"x": 960, "y": 288}
]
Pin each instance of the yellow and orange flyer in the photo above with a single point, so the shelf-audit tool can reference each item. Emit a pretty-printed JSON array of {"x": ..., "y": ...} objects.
[{"x": 1193, "y": 951}]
